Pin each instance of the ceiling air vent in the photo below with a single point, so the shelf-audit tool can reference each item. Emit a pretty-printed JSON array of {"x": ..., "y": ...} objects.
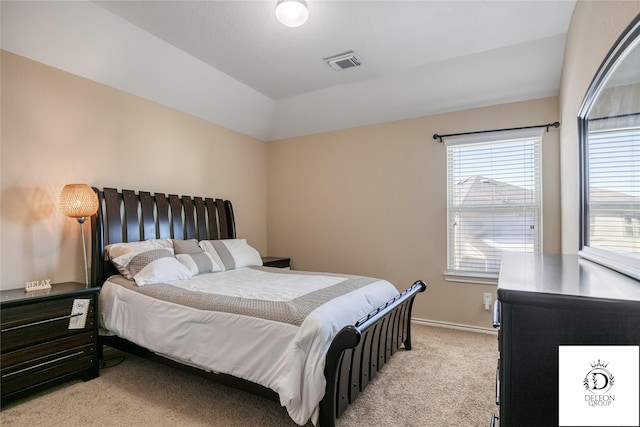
[{"x": 343, "y": 61}]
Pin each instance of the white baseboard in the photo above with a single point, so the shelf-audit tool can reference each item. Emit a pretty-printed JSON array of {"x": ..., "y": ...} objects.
[{"x": 439, "y": 324}]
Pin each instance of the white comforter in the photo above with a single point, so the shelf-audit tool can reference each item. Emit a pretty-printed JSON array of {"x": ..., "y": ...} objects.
[{"x": 285, "y": 358}]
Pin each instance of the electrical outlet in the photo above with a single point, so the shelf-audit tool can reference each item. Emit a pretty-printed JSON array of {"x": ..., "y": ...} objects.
[{"x": 486, "y": 300}]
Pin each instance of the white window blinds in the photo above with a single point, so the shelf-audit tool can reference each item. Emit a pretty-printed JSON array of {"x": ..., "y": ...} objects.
[
  {"x": 613, "y": 197},
  {"x": 494, "y": 198}
]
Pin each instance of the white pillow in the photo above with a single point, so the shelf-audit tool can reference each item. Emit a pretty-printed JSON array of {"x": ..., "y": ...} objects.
[
  {"x": 233, "y": 253},
  {"x": 121, "y": 254},
  {"x": 162, "y": 270},
  {"x": 147, "y": 262}
]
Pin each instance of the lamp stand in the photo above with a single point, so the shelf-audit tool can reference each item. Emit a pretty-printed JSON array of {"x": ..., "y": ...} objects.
[{"x": 84, "y": 250}]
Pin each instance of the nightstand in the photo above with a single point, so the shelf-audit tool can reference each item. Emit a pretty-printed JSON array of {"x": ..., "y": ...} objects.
[
  {"x": 44, "y": 340},
  {"x": 271, "y": 261}
]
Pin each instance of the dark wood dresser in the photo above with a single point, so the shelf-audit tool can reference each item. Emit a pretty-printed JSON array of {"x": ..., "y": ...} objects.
[
  {"x": 545, "y": 301},
  {"x": 44, "y": 340}
]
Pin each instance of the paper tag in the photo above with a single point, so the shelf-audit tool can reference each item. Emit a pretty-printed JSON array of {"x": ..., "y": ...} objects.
[{"x": 79, "y": 313}]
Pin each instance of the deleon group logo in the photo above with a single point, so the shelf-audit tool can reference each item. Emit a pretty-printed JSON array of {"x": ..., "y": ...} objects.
[{"x": 598, "y": 382}]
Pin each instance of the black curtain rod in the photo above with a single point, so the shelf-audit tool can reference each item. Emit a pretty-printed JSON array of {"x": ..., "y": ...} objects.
[{"x": 548, "y": 125}]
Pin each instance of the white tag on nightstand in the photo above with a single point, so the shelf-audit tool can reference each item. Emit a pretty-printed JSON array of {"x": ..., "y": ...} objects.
[{"x": 79, "y": 313}]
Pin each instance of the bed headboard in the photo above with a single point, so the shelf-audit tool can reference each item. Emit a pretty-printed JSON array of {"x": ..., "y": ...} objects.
[{"x": 127, "y": 216}]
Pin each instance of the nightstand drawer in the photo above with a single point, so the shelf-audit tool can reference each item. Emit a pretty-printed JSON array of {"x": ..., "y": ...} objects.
[
  {"x": 46, "y": 368},
  {"x": 38, "y": 322},
  {"x": 20, "y": 360}
]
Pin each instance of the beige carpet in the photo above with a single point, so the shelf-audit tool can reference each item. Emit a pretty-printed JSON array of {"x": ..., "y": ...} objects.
[{"x": 448, "y": 379}]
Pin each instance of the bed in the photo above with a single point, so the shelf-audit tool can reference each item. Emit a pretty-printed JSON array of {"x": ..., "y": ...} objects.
[{"x": 311, "y": 341}]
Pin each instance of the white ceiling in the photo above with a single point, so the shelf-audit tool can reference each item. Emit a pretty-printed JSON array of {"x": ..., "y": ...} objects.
[
  {"x": 244, "y": 40},
  {"x": 419, "y": 57}
]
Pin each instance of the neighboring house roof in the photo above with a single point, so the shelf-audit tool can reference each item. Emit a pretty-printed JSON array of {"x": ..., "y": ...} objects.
[
  {"x": 603, "y": 198},
  {"x": 478, "y": 190}
]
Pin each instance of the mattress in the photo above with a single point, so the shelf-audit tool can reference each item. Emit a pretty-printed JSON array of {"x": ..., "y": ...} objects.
[{"x": 266, "y": 325}]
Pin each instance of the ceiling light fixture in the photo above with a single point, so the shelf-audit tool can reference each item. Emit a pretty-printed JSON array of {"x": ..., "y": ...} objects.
[{"x": 292, "y": 13}]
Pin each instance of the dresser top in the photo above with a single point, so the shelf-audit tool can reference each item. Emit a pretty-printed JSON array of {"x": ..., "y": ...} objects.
[{"x": 567, "y": 275}]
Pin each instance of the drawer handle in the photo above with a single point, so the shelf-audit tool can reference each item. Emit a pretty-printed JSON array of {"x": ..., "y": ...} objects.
[
  {"x": 498, "y": 383},
  {"x": 496, "y": 314},
  {"x": 55, "y": 319},
  {"x": 77, "y": 353}
]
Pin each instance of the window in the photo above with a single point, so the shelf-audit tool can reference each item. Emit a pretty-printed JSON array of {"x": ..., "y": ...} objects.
[
  {"x": 609, "y": 144},
  {"x": 612, "y": 193},
  {"x": 494, "y": 199}
]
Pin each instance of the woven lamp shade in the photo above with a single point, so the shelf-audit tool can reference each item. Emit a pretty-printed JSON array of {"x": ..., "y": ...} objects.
[{"x": 78, "y": 201}]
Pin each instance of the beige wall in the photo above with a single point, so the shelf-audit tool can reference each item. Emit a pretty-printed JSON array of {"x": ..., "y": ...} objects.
[
  {"x": 595, "y": 26},
  {"x": 372, "y": 201},
  {"x": 58, "y": 128}
]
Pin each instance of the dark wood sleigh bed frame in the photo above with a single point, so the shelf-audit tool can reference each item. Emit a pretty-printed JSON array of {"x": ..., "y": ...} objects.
[{"x": 356, "y": 354}]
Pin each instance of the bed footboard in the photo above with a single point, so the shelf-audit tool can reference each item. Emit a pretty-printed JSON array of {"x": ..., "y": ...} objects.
[{"x": 359, "y": 351}]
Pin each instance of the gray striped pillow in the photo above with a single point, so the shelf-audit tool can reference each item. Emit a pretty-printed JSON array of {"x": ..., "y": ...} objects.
[
  {"x": 233, "y": 253},
  {"x": 199, "y": 263}
]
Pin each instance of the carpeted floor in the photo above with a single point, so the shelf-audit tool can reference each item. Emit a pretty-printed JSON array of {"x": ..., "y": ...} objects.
[{"x": 448, "y": 379}]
